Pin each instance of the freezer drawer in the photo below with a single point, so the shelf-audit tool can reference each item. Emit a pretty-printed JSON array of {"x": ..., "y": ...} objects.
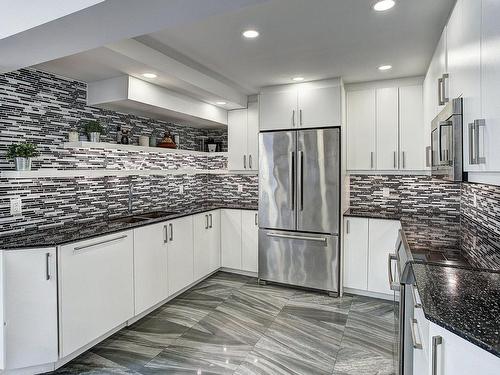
[{"x": 302, "y": 259}]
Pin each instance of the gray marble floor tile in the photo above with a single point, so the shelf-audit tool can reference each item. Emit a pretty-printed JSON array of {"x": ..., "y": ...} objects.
[
  {"x": 321, "y": 299},
  {"x": 360, "y": 362},
  {"x": 373, "y": 307},
  {"x": 92, "y": 364}
]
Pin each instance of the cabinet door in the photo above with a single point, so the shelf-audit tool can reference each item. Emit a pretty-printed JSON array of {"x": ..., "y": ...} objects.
[
  {"x": 213, "y": 241},
  {"x": 318, "y": 106},
  {"x": 201, "y": 225},
  {"x": 356, "y": 253},
  {"x": 455, "y": 48},
  {"x": 412, "y": 130},
  {"x": 253, "y": 136},
  {"x": 278, "y": 109},
  {"x": 429, "y": 114},
  {"x": 237, "y": 139},
  {"x": 231, "y": 238},
  {"x": 456, "y": 356},
  {"x": 490, "y": 82},
  {"x": 466, "y": 64},
  {"x": 180, "y": 254},
  {"x": 441, "y": 57},
  {"x": 361, "y": 130},
  {"x": 249, "y": 241},
  {"x": 150, "y": 266},
  {"x": 387, "y": 128},
  {"x": 382, "y": 239},
  {"x": 30, "y": 307},
  {"x": 96, "y": 288}
]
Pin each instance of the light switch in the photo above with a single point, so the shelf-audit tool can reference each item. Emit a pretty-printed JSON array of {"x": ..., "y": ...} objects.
[
  {"x": 16, "y": 206},
  {"x": 181, "y": 189},
  {"x": 240, "y": 188},
  {"x": 386, "y": 192}
]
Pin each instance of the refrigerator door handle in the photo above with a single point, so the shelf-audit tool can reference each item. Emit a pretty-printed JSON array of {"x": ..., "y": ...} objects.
[
  {"x": 304, "y": 238},
  {"x": 300, "y": 177},
  {"x": 291, "y": 176}
]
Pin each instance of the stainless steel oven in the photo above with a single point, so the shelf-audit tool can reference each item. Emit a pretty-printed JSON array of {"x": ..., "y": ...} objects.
[{"x": 446, "y": 142}]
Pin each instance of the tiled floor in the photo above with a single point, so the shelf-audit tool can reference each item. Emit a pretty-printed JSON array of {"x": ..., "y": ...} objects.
[{"x": 230, "y": 325}]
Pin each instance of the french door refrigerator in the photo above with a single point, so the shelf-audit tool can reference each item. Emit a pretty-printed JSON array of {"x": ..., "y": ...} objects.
[{"x": 299, "y": 207}]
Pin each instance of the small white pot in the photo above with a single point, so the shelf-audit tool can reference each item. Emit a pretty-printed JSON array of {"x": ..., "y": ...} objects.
[
  {"x": 73, "y": 136},
  {"x": 144, "y": 141}
]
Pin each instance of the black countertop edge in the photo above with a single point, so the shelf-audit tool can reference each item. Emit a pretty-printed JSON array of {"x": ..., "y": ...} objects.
[{"x": 65, "y": 234}]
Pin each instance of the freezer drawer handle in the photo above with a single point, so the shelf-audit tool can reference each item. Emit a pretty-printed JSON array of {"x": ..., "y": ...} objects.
[
  {"x": 305, "y": 238},
  {"x": 79, "y": 248},
  {"x": 416, "y": 344},
  {"x": 392, "y": 284},
  {"x": 436, "y": 340}
]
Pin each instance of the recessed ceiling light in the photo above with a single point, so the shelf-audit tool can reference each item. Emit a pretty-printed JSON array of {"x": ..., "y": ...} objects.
[
  {"x": 250, "y": 34},
  {"x": 297, "y": 79},
  {"x": 221, "y": 102},
  {"x": 149, "y": 75},
  {"x": 384, "y": 67},
  {"x": 383, "y": 5}
]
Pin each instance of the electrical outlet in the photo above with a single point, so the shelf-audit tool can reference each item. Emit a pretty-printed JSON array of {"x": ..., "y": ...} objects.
[
  {"x": 16, "y": 206},
  {"x": 386, "y": 192},
  {"x": 475, "y": 200},
  {"x": 181, "y": 189},
  {"x": 240, "y": 188}
]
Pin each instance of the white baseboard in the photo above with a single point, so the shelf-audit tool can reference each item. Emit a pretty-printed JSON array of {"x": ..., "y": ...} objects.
[
  {"x": 239, "y": 272},
  {"x": 366, "y": 293}
]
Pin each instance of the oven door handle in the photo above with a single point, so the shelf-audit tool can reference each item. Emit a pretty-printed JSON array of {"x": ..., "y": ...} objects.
[{"x": 394, "y": 286}]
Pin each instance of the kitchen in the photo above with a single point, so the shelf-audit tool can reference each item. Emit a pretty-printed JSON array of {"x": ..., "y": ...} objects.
[{"x": 250, "y": 187}]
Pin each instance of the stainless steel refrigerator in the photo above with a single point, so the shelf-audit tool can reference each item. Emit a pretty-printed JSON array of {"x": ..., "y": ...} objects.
[{"x": 299, "y": 207}]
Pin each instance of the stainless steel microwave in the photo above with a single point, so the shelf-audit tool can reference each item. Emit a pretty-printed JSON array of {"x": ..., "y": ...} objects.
[{"x": 447, "y": 143}]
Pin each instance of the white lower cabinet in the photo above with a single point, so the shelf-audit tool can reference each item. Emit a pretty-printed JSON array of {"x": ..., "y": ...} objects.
[
  {"x": 367, "y": 245},
  {"x": 150, "y": 266},
  {"x": 180, "y": 256},
  {"x": 206, "y": 243},
  {"x": 96, "y": 288},
  {"x": 30, "y": 307},
  {"x": 239, "y": 239},
  {"x": 249, "y": 241}
]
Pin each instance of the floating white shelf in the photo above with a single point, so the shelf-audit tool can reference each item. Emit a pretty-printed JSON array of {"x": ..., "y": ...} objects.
[
  {"x": 94, "y": 173},
  {"x": 115, "y": 146}
]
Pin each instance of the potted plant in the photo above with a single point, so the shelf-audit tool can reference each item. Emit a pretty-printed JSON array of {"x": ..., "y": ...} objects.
[
  {"x": 94, "y": 129},
  {"x": 22, "y": 153}
]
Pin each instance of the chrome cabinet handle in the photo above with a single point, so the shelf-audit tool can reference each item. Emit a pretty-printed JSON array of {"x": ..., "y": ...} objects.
[
  {"x": 291, "y": 176},
  {"x": 79, "y": 248},
  {"x": 171, "y": 232},
  {"x": 244, "y": 161},
  {"x": 446, "y": 99},
  {"x": 47, "y": 266},
  {"x": 250, "y": 161},
  {"x": 304, "y": 238},
  {"x": 427, "y": 156},
  {"x": 416, "y": 304},
  {"x": 395, "y": 166},
  {"x": 210, "y": 216},
  {"x": 300, "y": 183},
  {"x": 256, "y": 220},
  {"x": 392, "y": 285},
  {"x": 416, "y": 344},
  {"x": 371, "y": 160},
  {"x": 293, "y": 118},
  {"x": 472, "y": 153},
  {"x": 404, "y": 159},
  {"x": 347, "y": 226},
  {"x": 436, "y": 340},
  {"x": 206, "y": 221},
  {"x": 440, "y": 91},
  {"x": 300, "y": 117},
  {"x": 165, "y": 234},
  {"x": 474, "y": 149}
]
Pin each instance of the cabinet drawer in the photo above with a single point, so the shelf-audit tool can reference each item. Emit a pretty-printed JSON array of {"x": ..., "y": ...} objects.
[{"x": 96, "y": 288}]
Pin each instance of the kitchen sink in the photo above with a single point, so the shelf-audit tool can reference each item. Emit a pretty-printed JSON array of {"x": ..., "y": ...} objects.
[{"x": 154, "y": 214}]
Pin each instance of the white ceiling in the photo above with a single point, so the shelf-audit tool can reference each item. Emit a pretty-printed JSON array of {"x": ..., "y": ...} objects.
[{"x": 313, "y": 38}]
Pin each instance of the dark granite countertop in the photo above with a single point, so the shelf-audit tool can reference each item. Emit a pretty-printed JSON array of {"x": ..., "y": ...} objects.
[
  {"x": 77, "y": 231},
  {"x": 465, "y": 301}
]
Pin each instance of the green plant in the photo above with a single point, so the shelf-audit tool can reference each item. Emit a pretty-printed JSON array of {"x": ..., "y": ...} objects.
[
  {"x": 93, "y": 127},
  {"x": 22, "y": 150}
]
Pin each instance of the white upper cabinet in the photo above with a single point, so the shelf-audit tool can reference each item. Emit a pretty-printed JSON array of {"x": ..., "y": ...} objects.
[
  {"x": 387, "y": 128},
  {"x": 411, "y": 129},
  {"x": 243, "y": 138},
  {"x": 490, "y": 85},
  {"x": 304, "y": 105},
  {"x": 361, "y": 123},
  {"x": 278, "y": 108}
]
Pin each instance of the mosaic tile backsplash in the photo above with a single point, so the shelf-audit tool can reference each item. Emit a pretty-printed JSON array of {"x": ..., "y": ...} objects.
[
  {"x": 465, "y": 214},
  {"x": 41, "y": 108}
]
